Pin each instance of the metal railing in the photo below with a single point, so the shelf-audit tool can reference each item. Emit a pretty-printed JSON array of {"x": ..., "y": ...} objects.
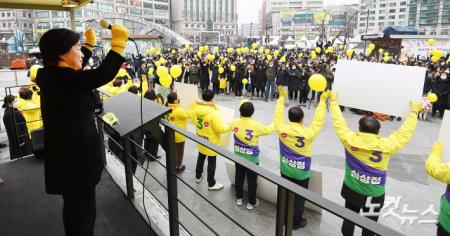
[{"x": 286, "y": 190}]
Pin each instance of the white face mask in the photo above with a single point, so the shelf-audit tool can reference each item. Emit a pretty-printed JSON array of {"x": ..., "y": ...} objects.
[
  {"x": 15, "y": 104},
  {"x": 443, "y": 77}
]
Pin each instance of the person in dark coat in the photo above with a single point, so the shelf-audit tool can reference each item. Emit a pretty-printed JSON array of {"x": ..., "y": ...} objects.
[
  {"x": 282, "y": 80},
  {"x": 16, "y": 129},
  {"x": 304, "y": 87},
  {"x": 215, "y": 78},
  {"x": 194, "y": 73},
  {"x": 72, "y": 151},
  {"x": 204, "y": 76},
  {"x": 442, "y": 89},
  {"x": 294, "y": 82},
  {"x": 260, "y": 80},
  {"x": 238, "y": 76}
]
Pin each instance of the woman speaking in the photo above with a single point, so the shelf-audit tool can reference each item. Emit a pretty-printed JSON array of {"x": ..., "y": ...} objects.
[{"x": 73, "y": 163}]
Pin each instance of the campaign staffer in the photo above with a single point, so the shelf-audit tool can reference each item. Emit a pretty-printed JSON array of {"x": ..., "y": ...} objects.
[
  {"x": 367, "y": 156},
  {"x": 440, "y": 171},
  {"x": 296, "y": 146},
  {"x": 73, "y": 163}
]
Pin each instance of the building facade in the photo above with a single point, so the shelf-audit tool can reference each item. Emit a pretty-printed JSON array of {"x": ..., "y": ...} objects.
[
  {"x": 430, "y": 17},
  {"x": 271, "y": 19},
  {"x": 375, "y": 15},
  {"x": 18, "y": 26},
  {"x": 206, "y": 21},
  {"x": 250, "y": 30}
]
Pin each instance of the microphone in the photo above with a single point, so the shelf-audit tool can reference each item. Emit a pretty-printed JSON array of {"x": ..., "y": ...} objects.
[{"x": 106, "y": 25}]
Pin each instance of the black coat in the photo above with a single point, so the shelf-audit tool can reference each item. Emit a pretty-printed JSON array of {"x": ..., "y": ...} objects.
[
  {"x": 442, "y": 90},
  {"x": 18, "y": 139},
  {"x": 261, "y": 77},
  {"x": 72, "y": 151},
  {"x": 294, "y": 80},
  {"x": 282, "y": 78}
]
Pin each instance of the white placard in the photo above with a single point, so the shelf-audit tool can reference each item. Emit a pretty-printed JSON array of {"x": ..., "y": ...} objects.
[
  {"x": 188, "y": 93},
  {"x": 444, "y": 137},
  {"x": 376, "y": 87},
  {"x": 227, "y": 116}
]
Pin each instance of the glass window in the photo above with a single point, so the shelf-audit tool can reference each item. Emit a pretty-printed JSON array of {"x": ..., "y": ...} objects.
[
  {"x": 402, "y": 9},
  {"x": 402, "y": 3},
  {"x": 391, "y": 17},
  {"x": 42, "y": 14},
  {"x": 382, "y": 5},
  {"x": 401, "y": 16},
  {"x": 381, "y": 18},
  {"x": 392, "y": 11},
  {"x": 381, "y": 12},
  {"x": 392, "y": 4}
]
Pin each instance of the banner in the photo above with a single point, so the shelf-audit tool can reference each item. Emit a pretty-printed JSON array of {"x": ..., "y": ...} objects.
[{"x": 420, "y": 46}]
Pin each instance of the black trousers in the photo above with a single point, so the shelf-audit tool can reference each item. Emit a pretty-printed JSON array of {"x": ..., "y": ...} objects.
[
  {"x": 216, "y": 88},
  {"x": 239, "y": 178},
  {"x": 303, "y": 96},
  {"x": 238, "y": 89},
  {"x": 204, "y": 83},
  {"x": 79, "y": 213},
  {"x": 299, "y": 202},
  {"x": 151, "y": 145},
  {"x": 211, "y": 170},
  {"x": 293, "y": 94},
  {"x": 357, "y": 202},
  {"x": 441, "y": 231}
]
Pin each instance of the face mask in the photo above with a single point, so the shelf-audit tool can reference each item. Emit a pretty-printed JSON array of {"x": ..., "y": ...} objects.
[
  {"x": 271, "y": 65},
  {"x": 15, "y": 104},
  {"x": 443, "y": 77},
  {"x": 293, "y": 67}
]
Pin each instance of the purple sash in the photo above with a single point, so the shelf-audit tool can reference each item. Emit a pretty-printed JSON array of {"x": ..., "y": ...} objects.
[
  {"x": 447, "y": 193},
  {"x": 291, "y": 155},
  {"x": 361, "y": 169},
  {"x": 244, "y": 148}
]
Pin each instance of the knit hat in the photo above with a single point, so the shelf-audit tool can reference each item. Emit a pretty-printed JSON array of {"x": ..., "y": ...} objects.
[{"x": 55, "y": 43}]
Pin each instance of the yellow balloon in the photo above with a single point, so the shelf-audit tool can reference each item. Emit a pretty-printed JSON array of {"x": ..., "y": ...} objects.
[
  {"x": 269, "y": 57},
  {"x": 244, "y": 81},
  {"x": 216, "y": 49},
  {"x": 349, "y": 53},
  {"x": 152, "y": 50},
  {"x": 157, "y": 63},
  {"x": 162, "y": 71},
  {"x": 238, "y": 51},
  {"x": 162, "y": 60},
  {"x": 147, "y": 51},
  {"x": 300, "y": 55},
  {"x": 233, "y": 68},
  {"x": 187, "y": 46},
  {"x": 313, "y": 56},
  {"x": 318, "y": 50},
  {"x": 122, "y": 72},
  {"x": 386, "y": 54},
  {"x": 174, "y": 51},
  {"x": 380, "y": 51},
  {"x": 199, "y": 54},
  {"x": 431, "y": 42},
  {"x": 432, "y": 97},
  {"x": 372, "y": 46},
  {"x": 434, "y": 58},
  {"x": 276, "y": 53},
  {"x": 254, "y": 45},
  {"x": 165, "y": 81},
  {"x": 230, "y": 50},
  {"x": 283, "y": 59},
  {"x": 330, "y": 49},
  {"x": 368, "y": 51},
  {"x": 448, "y": 61},
  {"x": 317, "y": 82},
  {"x": 150, "y": 71},
  {"x": 221, "y": 70},
  {"x": 175, "y": 71},
  {"x": 206, "y": 48},
  {"x": 261, "y": 51},
  {"x": 158, "y": 53},
  {"x": 386, "y": 58},
  {"x": 341, "y": 46},
  {"x": 267, "y": 51}
]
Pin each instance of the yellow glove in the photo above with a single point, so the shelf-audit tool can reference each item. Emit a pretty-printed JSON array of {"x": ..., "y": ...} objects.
[
  {"x": 119, "y": 35},
  {"x": 90, "y": 38},
  {"x": 437, "y": 147},
  {"x": 333, "y": 96},
  {"x": 282, "y": 92},
  {"x": 325, "y": 95},
  {"x": 416, "y": 107}
]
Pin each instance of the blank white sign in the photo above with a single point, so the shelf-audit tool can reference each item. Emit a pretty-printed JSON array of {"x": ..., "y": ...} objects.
[
  {"x": 444, "y": 137},
  {"x": 377, "y": 87}
]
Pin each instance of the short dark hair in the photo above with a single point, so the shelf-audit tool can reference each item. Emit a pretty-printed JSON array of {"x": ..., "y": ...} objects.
[
  {"x": 369, "y": 125},
  {"x": 55, "y": 43},
  {"x": 172, "y": 98},
  {"x": 150, "y": 94},
  {"x": 208, "y": 95},
  {"x": 133, "y": 89},
  {"x": 247, "y": 109},
  {"x": 8, "y": 100},
  {"x": 25, "y": 93},
  {"x": 295, "y": 114},
  {"x": 117, "y": 83}
]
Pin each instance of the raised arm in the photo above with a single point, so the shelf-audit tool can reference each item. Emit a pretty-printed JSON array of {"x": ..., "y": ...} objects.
[
  {"x": 402, "y": 136},
  {"x": 279, "y": 110},
  {"x": 319, "y": 117},
  {"x": 339, "y": 123},
  {"x": 434, "y": 167},
  {"x": 218, "y": 126}
]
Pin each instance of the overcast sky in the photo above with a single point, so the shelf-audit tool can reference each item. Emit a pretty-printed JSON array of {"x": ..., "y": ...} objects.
[{"x": 248, "y": 9}]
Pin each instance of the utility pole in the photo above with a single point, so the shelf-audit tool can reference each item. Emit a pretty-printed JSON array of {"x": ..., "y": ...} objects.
[
  {"x": 267, "y": 34},
  {"x": 367, "y": 22},
  {"x": 250, "y": 34}
]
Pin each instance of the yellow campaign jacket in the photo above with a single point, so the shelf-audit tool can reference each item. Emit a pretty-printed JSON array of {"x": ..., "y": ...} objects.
[
  {"x": 246, "y": 132},
  {"x": 296, "y": 141},
  {"x": 208, "y": 124},
  {"x": 368, "y": 155},
  {"x": 32, "y": 114},
  {"x": 178, "y": 117},
  {"x": 441, "y": 172}
]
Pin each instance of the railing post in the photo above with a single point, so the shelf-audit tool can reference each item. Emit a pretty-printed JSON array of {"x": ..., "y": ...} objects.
[
  {"x": 169, "y": 139},
  {"x": 101, "y": 139},
  {"x": 15, "y": 78},
  {"x": 281, "y": 210},
  {"x": 289, "y": 213},
  {"x": 127, "y": 161}
]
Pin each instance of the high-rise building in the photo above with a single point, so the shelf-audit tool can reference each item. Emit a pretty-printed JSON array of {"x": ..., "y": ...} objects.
[
  {"x": 200, "y": 21},
  {"x": 271, "y": 12},
  {"x": 250, "y": 30},
  {"x": 430, "y": 17},
  {"x": 18, "y": 23},
  {"x": 375, "y": 15}
]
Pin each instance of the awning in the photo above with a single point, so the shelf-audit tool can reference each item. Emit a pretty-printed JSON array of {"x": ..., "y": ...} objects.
[{"x": 400, "y": 30}]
